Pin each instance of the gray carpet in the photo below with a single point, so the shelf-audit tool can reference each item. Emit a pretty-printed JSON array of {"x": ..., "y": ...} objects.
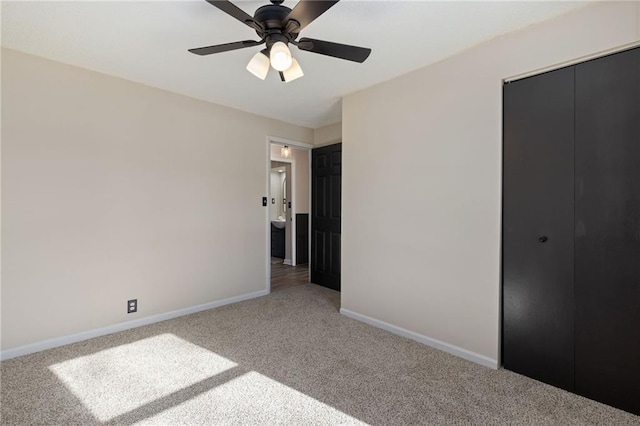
[{"x": 287, "y": 358}]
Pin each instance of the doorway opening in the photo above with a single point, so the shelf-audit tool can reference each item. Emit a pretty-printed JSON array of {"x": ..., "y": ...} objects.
[{"x": 289, "y": 205}]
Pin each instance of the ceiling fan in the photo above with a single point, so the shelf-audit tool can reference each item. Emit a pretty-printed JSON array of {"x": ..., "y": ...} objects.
[{"x": 278, "y": 26}]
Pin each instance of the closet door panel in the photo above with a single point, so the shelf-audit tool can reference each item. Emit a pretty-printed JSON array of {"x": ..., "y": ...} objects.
[
  {"x": 607, "y": 226},
  {"x": 538, "y": 228}
]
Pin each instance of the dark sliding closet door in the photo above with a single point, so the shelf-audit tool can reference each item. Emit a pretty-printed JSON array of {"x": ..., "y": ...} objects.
[
  {"x": 607, "y": 246},
  {"x": 538, "y": 227}
]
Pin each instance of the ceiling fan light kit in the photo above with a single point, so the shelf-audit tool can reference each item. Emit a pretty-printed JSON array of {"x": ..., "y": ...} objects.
[
  {"x": 294, "y": 72},
  {"x": 259, "y": 65},
  {"x": 280, "y": 56},
  {"x": 278, "y": 27}
]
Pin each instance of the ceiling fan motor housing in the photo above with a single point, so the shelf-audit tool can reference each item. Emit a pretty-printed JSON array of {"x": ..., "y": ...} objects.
[{"x": 271, "y": 17}]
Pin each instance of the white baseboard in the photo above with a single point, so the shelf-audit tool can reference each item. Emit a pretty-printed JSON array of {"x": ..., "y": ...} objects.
[
  {"x": 287, "y": 262},
  {"x": 434, "y": 343},
  {"x": 85, "y": 335}
]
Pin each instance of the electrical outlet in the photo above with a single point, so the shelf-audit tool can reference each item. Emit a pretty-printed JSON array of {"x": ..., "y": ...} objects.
[{"x": 132, "y": 306}]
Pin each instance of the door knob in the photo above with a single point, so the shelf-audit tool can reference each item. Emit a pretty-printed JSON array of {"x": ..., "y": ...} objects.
[{"x": 543, "y": 239}]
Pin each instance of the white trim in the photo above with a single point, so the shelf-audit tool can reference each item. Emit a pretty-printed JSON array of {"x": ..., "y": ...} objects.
[
  {"x": 288, "y": 262},
  {"x": 267, "y": 209},
  {"x": 281, "y": 141},
  {"x": 575, "y": 61},
  {"x": 85, "y": 335},
  {"x": 292, "y": 212},
  {"x": 434, "y": 343},
  {"x": 310, "y": 156}
]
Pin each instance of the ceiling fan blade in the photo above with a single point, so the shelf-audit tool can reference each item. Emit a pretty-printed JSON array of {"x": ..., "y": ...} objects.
[
  {"x": 308, "y": 10},
  {"x": 218, "y": 48},
  {"x": 234, "y": 11},
  {"x": 337, "y": 50}
]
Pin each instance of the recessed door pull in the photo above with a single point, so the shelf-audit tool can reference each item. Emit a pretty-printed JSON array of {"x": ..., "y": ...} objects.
[{"x": 543, "y": 239}]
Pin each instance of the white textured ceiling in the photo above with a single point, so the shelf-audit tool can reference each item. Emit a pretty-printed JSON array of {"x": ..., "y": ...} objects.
[{"x": 147, "y": 42}]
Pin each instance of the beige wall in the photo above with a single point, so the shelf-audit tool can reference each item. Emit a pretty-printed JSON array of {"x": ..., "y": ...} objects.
[
  {"x": 328, "y": 134},
  {"x": 112, "y": 190},
  {"x": 302, "y": 180},
  {"x": 422, "y": 178}
]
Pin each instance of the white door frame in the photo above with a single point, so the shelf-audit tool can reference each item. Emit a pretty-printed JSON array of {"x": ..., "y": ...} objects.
[{"x": 280, "y": 141}]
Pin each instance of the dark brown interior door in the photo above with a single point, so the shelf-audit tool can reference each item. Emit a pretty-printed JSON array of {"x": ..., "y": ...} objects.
[{"x": 326, "y": 196}]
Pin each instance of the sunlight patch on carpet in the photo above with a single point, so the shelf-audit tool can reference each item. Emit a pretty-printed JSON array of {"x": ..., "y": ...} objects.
[
  {"x": 120, "y": 379},
  {"x": 255, "y": 399}
]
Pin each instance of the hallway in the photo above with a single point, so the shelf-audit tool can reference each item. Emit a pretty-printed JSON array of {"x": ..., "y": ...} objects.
[{"x": 285, "y": 276}]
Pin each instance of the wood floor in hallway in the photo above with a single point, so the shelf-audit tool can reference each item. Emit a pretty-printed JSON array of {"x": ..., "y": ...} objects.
[{"x": 285, "y": 276}]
